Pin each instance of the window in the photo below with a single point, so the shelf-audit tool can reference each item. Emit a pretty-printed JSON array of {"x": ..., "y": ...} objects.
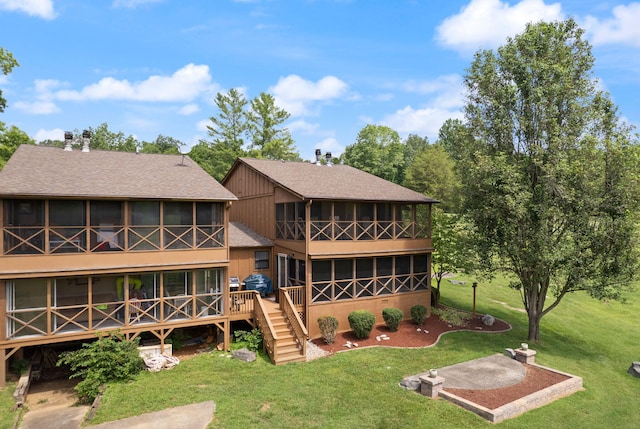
[{"x": 262, "y": 260}]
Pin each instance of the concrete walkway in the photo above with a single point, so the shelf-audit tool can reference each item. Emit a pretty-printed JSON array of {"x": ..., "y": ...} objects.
[{"x": 194, "y": 416}]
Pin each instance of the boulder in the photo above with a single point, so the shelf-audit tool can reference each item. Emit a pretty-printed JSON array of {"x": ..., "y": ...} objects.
[
  {"x": 634, "y": 369},
  {"x": 510, "y": 352},
  {"x": 411, "y": 383},
  {"x": 244, "y": 354},
  {"x": 488, "y": 320}
]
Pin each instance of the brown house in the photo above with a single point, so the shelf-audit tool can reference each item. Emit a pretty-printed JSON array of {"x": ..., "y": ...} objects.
[
  {"x": 343, "y": 239},
  {"x": 97, "y": 241}
]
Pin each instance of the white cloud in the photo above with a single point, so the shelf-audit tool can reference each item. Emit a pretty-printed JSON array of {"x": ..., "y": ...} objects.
[
  {"x": 184, "y": 85},
  {"x": 487, "y": 23},
  {"x": 42, "y": 107},
  {"x": 623, "y": 28},
  {"x": 295, "y": 94},
  {"x": 303, "y": 127},
  {"x": 55, "y": 134},
  {"x": 424, "y": 122},
  {"x": 40, "y": 8},
  {"x": 189, "y": 109},
  {"x": 329, "y": 144},
  {"x": 203, "y": 124}
]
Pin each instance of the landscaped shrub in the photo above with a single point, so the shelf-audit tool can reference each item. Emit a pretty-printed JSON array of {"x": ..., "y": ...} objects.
[
  {"x": 452, "y": 316},
  {"x": 253, "y": 339},
  {"x": 361, "y": 323},
  {"x": 328, "y": 326},
  {"x": 392, "y": 317},
  {"x": 108, "y": 359},
  {"x": 418, "y": 314}
]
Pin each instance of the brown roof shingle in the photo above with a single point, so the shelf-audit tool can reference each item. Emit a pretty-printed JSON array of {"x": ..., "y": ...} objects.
[
  {"x": 51, "y": 171},
  {"x": 241, "y": 235},
  {"x": 336, "y": 182}
]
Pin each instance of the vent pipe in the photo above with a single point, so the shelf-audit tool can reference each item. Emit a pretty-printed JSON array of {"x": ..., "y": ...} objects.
[
  {"x": 86, "y": 140},
  {"x": 68, "y": 140},
  {"x": 318, "y": 156},
  {"x": 328, "y": 157}
]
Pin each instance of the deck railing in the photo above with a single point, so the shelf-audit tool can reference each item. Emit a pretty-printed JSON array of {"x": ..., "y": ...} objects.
[
  {"x": 365, "y": 230},
  {"x": 290, "y": 310},
  {"x": 269, "y": 337}
]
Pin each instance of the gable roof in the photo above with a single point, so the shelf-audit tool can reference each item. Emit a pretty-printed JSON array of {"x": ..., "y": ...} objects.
[
  {"x": 241, "y": 235},
  {"x": 336, "y": 182},
  {"x": 51, "y": 171}
]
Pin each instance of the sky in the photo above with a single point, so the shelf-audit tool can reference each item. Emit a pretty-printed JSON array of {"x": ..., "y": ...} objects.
[{"x": 154, "y": 67}]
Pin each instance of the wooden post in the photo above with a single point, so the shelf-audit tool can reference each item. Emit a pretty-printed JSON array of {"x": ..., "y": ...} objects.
[{"x": 474, "y": 285}]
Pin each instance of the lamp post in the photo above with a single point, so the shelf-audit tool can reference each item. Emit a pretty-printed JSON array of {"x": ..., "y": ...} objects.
[{"x": 474, "y": 286}]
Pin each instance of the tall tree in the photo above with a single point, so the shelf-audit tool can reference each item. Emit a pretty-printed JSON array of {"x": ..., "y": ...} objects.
[
  {"x": 379, "y": 151},
  {"x": 268, "y": 138},
  {"x": 104, "y": 139},
  {"x": 413, "y": 145},
  {"x": 432, "y": 173},
  {"x": 7, "y": 63},
  {"x": 548, "y": 182},
  {"x": 10, "y": 139}
]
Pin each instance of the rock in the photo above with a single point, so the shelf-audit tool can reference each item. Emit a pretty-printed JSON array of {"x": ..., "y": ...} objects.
[
  {"x": 510, "y": 352},
  {"x": 634, "y": 369},
  {"x": 244, "y": 355},
  {"x": 411, "y": 383},
  {"x": 488, "y": 320}
]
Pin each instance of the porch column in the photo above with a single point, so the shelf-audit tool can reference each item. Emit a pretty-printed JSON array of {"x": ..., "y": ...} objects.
[{"x": 3, "y": 368}]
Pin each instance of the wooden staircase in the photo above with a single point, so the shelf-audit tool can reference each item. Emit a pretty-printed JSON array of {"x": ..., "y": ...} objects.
[{"x": 287, "y": 347}]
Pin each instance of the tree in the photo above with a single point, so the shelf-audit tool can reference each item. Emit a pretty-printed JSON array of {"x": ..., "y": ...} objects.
[
  {"x": 10, "y": 139},
  {"x": 432, "y": 173},
  {"x": 103, "y": 139},
  {"x": 162, "y": 144},
  {"x": 455, "y": 136},
  {"x": 547, "y": 185},
  {"x": 7, "y": 63},
  {"x": 378, "y": 151},
  {"x": 267, "y": 140},
  {"x": 413, "y": 145}
]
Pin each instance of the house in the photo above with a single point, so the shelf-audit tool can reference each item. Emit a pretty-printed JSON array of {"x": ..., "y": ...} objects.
[
  {"x": 343, "y": 239},
  {"x": 94, "y": 241}
]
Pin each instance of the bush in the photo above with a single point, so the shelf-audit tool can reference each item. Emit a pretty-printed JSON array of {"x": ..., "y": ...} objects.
[
  {"x": 418, "y": 314},
  {"x": 361, "y": 323},
  {"x": 452, "y": 316},
  {"x": 253, "y": 338},
  {"x": 392, "y": 317},
  {"x": 328, "y": 327},
  {"x": 108, "y": 359}
]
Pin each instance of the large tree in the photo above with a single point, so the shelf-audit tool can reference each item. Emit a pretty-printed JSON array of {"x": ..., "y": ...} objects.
[
  {"x": 268, "y": 138},
  {"x": 10, "y": 139},
  {"x": 379, "y": 151},
  {"x": 548, "y": 184},
  {"x": 162, "y": 144},
  {"x": 104, "y": 139},
  {"x": 7, "y": 63}
]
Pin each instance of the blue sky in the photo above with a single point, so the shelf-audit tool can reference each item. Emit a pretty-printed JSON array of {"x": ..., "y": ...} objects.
[{"x": 150, "y": 67}]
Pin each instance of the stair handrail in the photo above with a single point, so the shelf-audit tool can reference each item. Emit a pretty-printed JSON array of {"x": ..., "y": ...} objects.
[
  {"x": 298, "y": 327},
  {"x": 269, "y": 337}
]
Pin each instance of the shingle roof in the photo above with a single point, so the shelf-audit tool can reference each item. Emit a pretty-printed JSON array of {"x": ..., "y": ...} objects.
[
  {"x": 50, "y": 171},
  {"x": 241, "y": 235},
  {"x": 336, "y": 182}
]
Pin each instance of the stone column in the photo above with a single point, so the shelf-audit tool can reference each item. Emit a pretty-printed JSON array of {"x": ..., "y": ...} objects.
[
  {"x": 527, "y": 356},
  {"x": 431, "y": 386}
]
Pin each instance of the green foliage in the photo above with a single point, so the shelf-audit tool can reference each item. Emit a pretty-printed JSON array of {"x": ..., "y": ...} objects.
[
  {"x": 252, "y": 338},
  {"x": 268, "y": 140},
  {"x": 104, "y": 139},
  {"x": 361, "y": 323},
  {"x": 177, "y": 338},
  {"x": 109, "y": 359},
  {"x": 418, "y": 314},
  {"x": 7, "y": 63},
  {"x": 10, "y": 139},
  {"x": 452, "y": 316},
  {"x": 328, "y": 327},
  {"x": 392, "y": 317},
  {"x": 162, "y": 144},
  {"x": 19, "y": 366},
  {"x": 549, "y": 183}
]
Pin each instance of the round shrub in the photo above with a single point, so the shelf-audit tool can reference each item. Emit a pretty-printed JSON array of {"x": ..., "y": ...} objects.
[
  {"x": 392, "y": 317},
  {"x": 361, "y": 323},
  {"x": 418, "y": 314},
  {"x": 328, "y": 327}
]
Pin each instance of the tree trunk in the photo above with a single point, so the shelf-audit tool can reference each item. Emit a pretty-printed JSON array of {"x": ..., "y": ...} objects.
[{"x": 534, "y": 328}]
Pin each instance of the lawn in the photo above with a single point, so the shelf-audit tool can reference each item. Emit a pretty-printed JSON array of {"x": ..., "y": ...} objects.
[{"x": 597, "y": 341}]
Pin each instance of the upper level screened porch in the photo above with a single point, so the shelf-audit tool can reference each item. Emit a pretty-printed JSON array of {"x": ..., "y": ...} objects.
[
  {"x": 52, "y": 226},
  {"x": 356, "y": 221}
]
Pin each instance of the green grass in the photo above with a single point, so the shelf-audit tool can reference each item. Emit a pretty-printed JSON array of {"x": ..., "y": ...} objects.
[{"x": 597, "y": 341}]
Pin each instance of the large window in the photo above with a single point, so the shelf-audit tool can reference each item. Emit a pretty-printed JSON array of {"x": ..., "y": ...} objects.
[
  {"x": 290, "y": 221},
  {"x": 262, "y": 259}
]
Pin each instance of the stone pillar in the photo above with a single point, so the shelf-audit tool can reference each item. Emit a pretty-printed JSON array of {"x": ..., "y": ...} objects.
[
  {"x": 431, "y": 386},
  {"x": 527, "y": 356}
]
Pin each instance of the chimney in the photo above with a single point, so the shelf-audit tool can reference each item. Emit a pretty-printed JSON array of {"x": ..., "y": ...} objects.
[
  {"x": 328, "y": 156},
  {"x": 86, "y": 139},
  {"x": 68, "y": 140},
  {"x": 318, "y": 156}
]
